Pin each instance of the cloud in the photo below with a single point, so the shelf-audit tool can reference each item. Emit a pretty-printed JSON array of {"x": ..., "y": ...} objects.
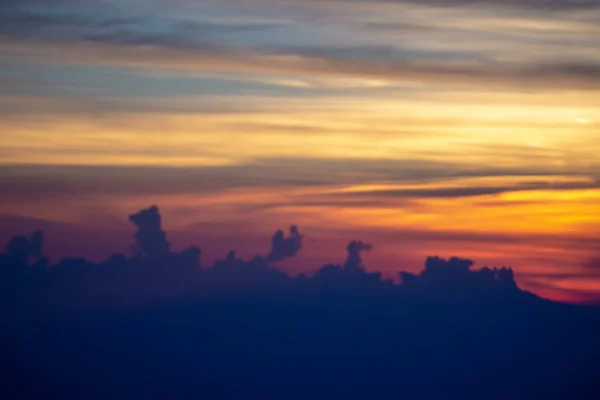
[
  {"x": 284, "y": 247},
  {"x": 553, "y": 4},
  {"x": 558, "y": 5},
  {"x": 535, "y": 5},
  {"x": 31, "y": 181},
  {"x": 455, "y": 274},
  {"x": 151, "y": 240},
  {"x": 148, "y": 52},
  {"x": 162, "y": 272},
  {"x": 102, "y": 106},
  {"x": 105, "y": 38},
  {"x": 472, "y": 191},
  {"x": 125, "y": 28},
  {"x": 355, "y": 249}
]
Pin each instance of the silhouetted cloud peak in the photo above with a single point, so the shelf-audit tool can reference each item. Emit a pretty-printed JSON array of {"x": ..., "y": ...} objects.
[
  {"x": 151, "y": 240},
  {"x": 436, "y": 265},
  {"x": 456, "y": 274},
  {"x": 355, "y": 249},
  {"x": 285, "y": 247}
]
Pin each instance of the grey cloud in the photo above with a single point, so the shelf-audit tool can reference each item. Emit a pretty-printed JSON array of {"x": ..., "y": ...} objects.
[
  {"x": 208, "y": 27},
  {"x": 151, "y": 50},
  {"x": 584, "y": 70},
  {"x": 531, "y": 4},
  {"x": 100, "y": 106},
  {"x": 430, "y": 193},
  {"x": 409, "y": 198},
  {"x": 118, "y": 29},
  {"x": 367, "y": 52},
  {"x": 51, "y": 181},
  {"x": 536, "y": 4},
  {"x": 190, "y": 44},
  {"x": 372, "y": 52},
  {"x": 33, "y": 22},
  {"x": 43, "y": 181},
  {"x": 471, "y": 191},
  {"x": 549, "y": 5},
  {"x": 184, "y": 35}
]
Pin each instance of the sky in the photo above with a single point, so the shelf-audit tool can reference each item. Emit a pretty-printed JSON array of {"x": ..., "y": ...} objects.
[{"x": 467, "y": 128}]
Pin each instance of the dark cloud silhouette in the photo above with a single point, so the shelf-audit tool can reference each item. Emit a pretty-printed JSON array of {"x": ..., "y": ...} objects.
[
  {"x": 156, "y": 325},
  {"x": 151, "y": 240},
  {"x": 455, "y": 274},
  {"x": 154, "y": 270},
  {"x": 284, "y": 247},
  {"x": 354, "y": 260}
]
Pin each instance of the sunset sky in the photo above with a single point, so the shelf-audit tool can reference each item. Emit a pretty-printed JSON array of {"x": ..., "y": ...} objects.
[{"x": 467, "y": 128}]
